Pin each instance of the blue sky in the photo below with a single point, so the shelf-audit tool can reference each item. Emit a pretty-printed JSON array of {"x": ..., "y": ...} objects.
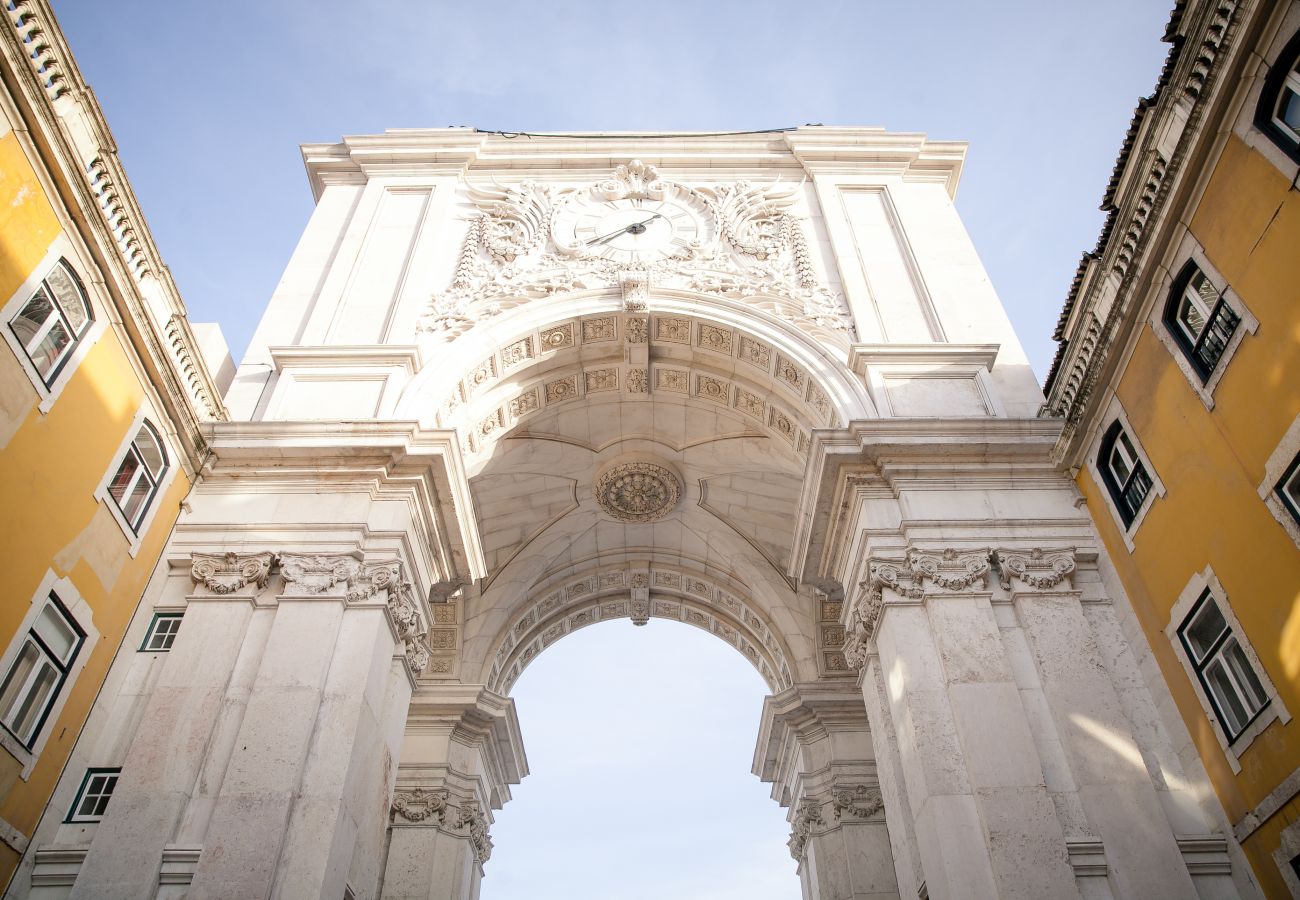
[{"x": 639, "y": 739}]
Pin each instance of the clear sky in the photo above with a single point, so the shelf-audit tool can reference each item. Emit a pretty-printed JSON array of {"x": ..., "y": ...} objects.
[{"x": 640, "y": 738}]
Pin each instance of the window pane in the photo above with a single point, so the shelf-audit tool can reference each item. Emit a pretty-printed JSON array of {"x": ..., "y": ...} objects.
[
  {"x": 32, "y": 318},
  {"x": 1191, "y": 318},
  {"x": 68, "y": 297},
  {"x": 1290, "y": 489},
  {"x": 56, "y": 632},
  {"x": 1225, "y": 695},
  {"x": 1288, "y": 109},
  {"x": 1254, "y": 698},
  {"x": 38, "y": 698},
  {"x": 1203, "y": 631},
  {"x": 47, "y": 354},
  {"x": 12, "y": 692},
  {"x": 1119, "y": 465},
  {"x": 149, "y": 451}
]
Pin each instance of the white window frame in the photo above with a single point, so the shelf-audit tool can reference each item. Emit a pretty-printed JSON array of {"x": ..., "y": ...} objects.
[
  {"x": 1287, "y": 23},
  {"x": 1114, "y": 411},
  {"x": 161, "y": 614},
  {"x": 1189, "y": 249},
  {"x": 60, "y": 248},
  {"x": 75, "y": 818},
  {"x": 81, "y": 613},
  {"x": 1274, "y": 709},
  {"x": 135, "y": 534},
  {"x": 1278, "y": 462}
]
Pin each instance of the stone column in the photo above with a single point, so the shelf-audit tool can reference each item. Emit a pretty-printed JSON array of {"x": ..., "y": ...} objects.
[
  {"x": 814, "y": 747},
  {"x": 285, "y": 821},
  {"x": 1109, "y": 769},
  {"x": 461, "y": 752},
  {"x": 984, "y": 823},
  {"x": 200, "y": 678}
]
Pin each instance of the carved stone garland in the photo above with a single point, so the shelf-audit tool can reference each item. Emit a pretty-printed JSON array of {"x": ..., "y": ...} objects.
[
  {"x": 226, "y": 573},
  {"x": 417, "y": 806},
  {"x": 861, "y": 802},
  {"x": 1037, "y": 569},
  {"x": 761, "y": 256}
]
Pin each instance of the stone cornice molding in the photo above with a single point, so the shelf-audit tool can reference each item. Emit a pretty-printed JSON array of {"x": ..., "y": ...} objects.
[
  {"x": 1035, "y": 569},
  {"x": 403, "y": 356},
  {"x": 919, "y": 574},
  {"x": 863, "y": 355},
  {"x": 799, "y": 715},
  {"x": 909, "y": 155},
  {"x": 79, "y": 168},
  {"x": 902, "y": 453},
  {"x": 1171, "y": 140},
  {"x": 475, "y": 717},
  {"x": 228, "y": 573},
  {"x": 381, "y": 457}
]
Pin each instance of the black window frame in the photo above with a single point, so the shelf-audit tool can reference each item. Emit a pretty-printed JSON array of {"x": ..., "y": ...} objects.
[
  {"x": 155, "y": 479},
  {"x": 72, "y": 817},
  {"x": 1269, "y": 95},
  {"x": 1139, "y": 478},
  {"x": 1211, "y": 654},
  {"x": 1292, "y": 471},
  {"x": 64, "y": 669},
  {"x": 1221, "y": 324},
  {"x": 152, "y": 630}
]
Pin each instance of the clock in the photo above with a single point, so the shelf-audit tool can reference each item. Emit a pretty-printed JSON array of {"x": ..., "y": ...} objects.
[{"x": 634, "y": 230}]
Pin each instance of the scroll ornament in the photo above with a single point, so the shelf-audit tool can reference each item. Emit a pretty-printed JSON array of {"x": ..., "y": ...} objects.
[
  {"x": 306, "y": 576},
  {"x": 472, "y": 820},
  {"x": 1036, "y": 568},
  {"x": 861, "y": 802},
  {"x": 416, "y": 805},
  {"x": 809, "y": 815},
  {"x": 226, "y": 573}
]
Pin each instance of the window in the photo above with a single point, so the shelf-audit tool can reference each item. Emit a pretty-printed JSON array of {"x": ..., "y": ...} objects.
[
  {"x": 38, "y": 672},
  {"x": 162, "y": 632},
  {"x": 1278, "y": 113},
  {"x": 136, "y": 481},
  {"x": 1124, "y": 473},
  {"x": 49, "y": 324},
  {"x": 1288, "y": 489},
  {"x": 1200, "y": 319},
  {"x": 92, "y": 799},
  {"x": 1224, "y": 671}
]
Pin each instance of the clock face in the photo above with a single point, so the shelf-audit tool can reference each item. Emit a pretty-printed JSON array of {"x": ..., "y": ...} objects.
[{"x": 633, "y": 230}]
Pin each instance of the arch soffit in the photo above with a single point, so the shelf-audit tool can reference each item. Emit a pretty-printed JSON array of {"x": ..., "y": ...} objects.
[
  {"x": 497, "y": 374},
  {"x": 639, "y": 592}
]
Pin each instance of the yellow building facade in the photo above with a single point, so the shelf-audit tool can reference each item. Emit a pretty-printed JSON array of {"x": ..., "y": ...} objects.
[
  {"x": 102, "y": 390},
  {"x": 1179, "y": 377}
]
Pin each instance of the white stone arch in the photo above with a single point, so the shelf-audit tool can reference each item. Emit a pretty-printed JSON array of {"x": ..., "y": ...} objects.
[
  {"x": 474, "y": 363},
  {"x": 639, "y": 591}
]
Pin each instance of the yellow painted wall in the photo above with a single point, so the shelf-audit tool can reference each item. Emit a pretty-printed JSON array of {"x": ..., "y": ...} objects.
[
  {"x": 50, "y": 467},
  {"x": 1212, "y": 463}
]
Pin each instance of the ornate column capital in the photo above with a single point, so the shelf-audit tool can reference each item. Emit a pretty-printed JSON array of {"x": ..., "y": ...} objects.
[
  {"x": 317, "y": 575},
  {"x": 917, "y": 574},
  {"x": 856, "y": 803},
  {"x": 471, "y": 820},
  {"x": 1036, "y": 569},
  {"x": 806, "y": 818},
  {"x": 227, "y": 573},
  {"x": 417, "y": 806}
]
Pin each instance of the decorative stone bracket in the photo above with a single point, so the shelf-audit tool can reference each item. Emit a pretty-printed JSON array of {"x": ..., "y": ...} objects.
[{"x": 945, "y": 571}]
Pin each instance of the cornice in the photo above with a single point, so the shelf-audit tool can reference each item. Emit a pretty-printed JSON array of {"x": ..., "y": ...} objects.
[
  {"x": 863, "y": 355},
  {"x": 407, "y": 356}
]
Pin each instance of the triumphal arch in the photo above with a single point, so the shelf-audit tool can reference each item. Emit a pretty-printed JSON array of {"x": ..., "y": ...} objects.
[{"x": 510, "y": 386}]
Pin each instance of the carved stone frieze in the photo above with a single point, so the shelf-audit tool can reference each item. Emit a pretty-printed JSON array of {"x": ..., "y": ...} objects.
[
  {"x": 756, "y": 252},
  {"x": 1037, "y": 568},
  {"x": 855, "y": 803},
  {"x": 808, "y": 816},
  {"x": 416, "y": 806},
  {"x": 226, "y": 573},
  {"x": 308, "y": 576},
  {"x": 637, "y": 491}
]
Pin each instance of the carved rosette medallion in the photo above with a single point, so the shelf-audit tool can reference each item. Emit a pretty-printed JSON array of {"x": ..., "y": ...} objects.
[
  {"x": 226, "y": 573},
  {"x": 637, "y": 491}
]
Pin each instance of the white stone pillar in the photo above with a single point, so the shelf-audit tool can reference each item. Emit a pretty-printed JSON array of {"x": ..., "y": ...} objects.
[
  {"x": 462, "y": 750},
  {"x": 814, "y": 747},
  {"x": 984, "y": 823},
  {"x": 172, "y": 741},
  {"x": 285, "y": 819},
  {"x": 1109, "y": 770}
]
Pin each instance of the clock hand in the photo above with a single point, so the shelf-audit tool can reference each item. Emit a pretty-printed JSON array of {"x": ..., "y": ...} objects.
[{"x": 624, "y": 230}]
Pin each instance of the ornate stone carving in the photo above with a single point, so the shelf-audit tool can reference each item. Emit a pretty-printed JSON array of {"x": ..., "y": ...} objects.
[
  {"x": 601, "y": 380},
  {"x": 762, "y": 255},
  {"x": 470, "y": 819},
  {"x": 952, "y": 570},
  {"x": 308, "y": 576},
  {"x": 417, "y": 806},
  {"x": 1036, "y": 568},
  {"x": 405, "y": 612},
  {"x": 417, "y": 653},
  {"x": 637, "y": 382},
  {"x": 637, "y": 491},
  {"x": 225, "y": 573},
  {"x": 372, "y": 578},
  {"x": 859, "y": 802},
  {"x": 636, "y": 329},
  {"x": 801, "y": 828}
]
